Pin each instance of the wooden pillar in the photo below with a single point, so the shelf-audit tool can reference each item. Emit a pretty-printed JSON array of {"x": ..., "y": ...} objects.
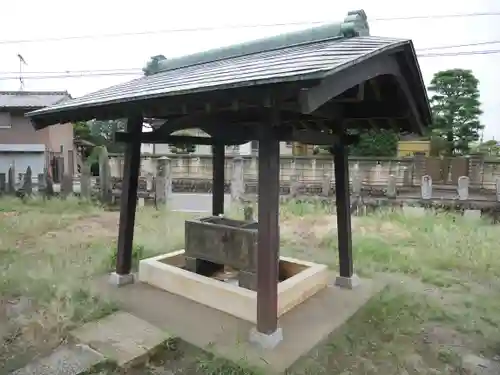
[
  {"x": 128, "y": 199},
  {"x": 343, "y": 211},
  {"x": 218, "y": 166},
  {"x": 268, "y": 237}
]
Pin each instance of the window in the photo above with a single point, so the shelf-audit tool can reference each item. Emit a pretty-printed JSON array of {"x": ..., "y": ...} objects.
[{"x": 5, "y": 120}]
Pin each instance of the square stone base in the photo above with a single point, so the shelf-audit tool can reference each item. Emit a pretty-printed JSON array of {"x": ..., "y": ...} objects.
[
  {"x": 226, "y": 336},
  {"x": 348, "y": 282},
  {"x": 266, "y": 341},
  {"x": 120, "y": 280}
]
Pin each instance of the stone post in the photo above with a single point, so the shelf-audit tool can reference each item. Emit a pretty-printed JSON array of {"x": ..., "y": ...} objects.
[
  {"x": 163, "y": 181},
  {"x": 237, "y": 180},
  {"x": 28, "y": 182},
  {"x": 463, "y": 188},
  {"x": 85, "y": 182},
  {"x": 11, "y": 180},
  {"x": 391, "y": 187},
  {"x": 104, "y": 176},
  {"x": 426, "y": 187}
]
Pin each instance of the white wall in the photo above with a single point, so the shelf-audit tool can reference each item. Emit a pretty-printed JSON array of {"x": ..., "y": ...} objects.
[{"x": 21, "y": 161}]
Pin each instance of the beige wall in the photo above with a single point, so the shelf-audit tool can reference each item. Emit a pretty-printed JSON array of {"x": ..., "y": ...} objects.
[{"x": 22, "y": 132}]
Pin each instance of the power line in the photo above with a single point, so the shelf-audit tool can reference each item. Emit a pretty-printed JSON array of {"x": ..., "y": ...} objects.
[
  {"x": 243, "y": 26},
  {"x": 459, "y": 45},
  {"x": 138, "y": 71}
]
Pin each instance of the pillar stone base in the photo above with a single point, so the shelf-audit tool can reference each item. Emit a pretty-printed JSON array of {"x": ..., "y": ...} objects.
[
  {"x": 347, "y": 282},
  {"x": 120, "y": 280},
  {"x": 266, "y": 341}
]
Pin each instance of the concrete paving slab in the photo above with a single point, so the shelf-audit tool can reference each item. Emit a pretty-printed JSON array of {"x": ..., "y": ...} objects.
[
  {"x": 66, "y": 360},
  {"x": 227, "y": 336},
  {"x": 121, "y": 337}
]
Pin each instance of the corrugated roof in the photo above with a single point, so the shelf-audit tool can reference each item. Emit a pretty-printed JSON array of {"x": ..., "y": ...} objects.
[
  {"x": 31, "y": 99},
  {"x": 305, "y": 61}
]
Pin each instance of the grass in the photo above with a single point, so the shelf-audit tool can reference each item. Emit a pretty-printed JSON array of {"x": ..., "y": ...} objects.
[{"x": 442, "y": 269}]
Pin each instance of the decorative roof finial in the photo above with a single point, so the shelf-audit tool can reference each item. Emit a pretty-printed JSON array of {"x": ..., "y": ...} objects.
[
  {"x": 152, "y": 66},
  {"x": 355, "y": 24}
]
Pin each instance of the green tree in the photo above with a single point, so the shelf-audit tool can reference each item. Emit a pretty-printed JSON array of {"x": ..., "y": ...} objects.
[
  {"x": 456, "y": 109},
  {"x": 376, "y": 143}
]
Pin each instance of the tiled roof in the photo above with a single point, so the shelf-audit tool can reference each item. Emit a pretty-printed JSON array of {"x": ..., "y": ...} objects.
[
  {"x": 31, "y": 99},
  {"x": 310, "y": 54},
  {"x": 308, "y": 61}
]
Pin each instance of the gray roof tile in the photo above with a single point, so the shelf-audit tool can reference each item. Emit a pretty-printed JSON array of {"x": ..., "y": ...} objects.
[
  {"x": 305, "y": 61},
  {"x": 31, "y": 99}
]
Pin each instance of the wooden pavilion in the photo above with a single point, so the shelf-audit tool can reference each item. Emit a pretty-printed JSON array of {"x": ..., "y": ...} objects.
[{"x": 310, "y": 86}]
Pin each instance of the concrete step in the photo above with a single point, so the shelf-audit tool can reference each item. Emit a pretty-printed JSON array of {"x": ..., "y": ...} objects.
[
  {"x": 122, "y": 338},
  {"x": 72, "y": 359}
]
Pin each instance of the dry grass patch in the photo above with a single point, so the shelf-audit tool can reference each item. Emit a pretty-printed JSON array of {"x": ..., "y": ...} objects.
[
  {"x": 48, "y": 252},
  {"x": 443, "y": 271}
]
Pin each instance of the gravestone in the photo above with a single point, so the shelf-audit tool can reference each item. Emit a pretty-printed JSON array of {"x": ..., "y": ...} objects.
[
  {"x": 248, "y": 213},
  {"x": 357, "y": 180},
  {"x": 325, "y": 186},
  {"x": 407, "y": 177},
  {"x": 426, "y": 187},
  {"x": 49, "y": 184},
  {"x": 85, "y": 182},
  {"x": 497, "y": 183},
  {"x": 463, "y": 188},
  {"x": 40, "y": 184},
  {"x": 66, "y": 185},
  {"x": 28, "y": 182},
  {"x": 294, "y": 185},
  {"x": 391, "y": 187},
  {"x": 163, "y": 180},
  {"x": 104, "y": 176},
  {"x": 11, "y": 180},
  {"x": 237, "y": 180},
  {"x": 3, "y": 183},
  {"x": 149, "y": 182}
]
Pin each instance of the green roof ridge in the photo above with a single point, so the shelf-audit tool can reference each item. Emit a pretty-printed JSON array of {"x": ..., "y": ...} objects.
[{"x": 355, "y": 24}]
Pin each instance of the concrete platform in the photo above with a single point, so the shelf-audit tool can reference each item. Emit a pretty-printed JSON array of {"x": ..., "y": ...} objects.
[
  {"x": 121, "y": 337},
  {"x": 227, "y": 336}
]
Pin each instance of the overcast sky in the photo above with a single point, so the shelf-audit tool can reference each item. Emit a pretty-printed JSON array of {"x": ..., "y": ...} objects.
[{"x": 32, "y": 19}]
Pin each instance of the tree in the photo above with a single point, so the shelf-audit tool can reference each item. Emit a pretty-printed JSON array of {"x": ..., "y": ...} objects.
[
  {"x": 456, "y": 109},
  {"x": 376, "y": 143}
]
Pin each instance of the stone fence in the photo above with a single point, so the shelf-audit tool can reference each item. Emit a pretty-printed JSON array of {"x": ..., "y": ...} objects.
[{"x": 313, "y": 171}]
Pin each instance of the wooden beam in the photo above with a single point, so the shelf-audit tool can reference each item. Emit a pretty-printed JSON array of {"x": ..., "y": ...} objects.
[
  {"x": 152, "y": 137},
  {"x": 335, "y": 84},
  {"x": 128, "y": 199},
  {"x": 218, "y": 156},
  {"x": 268, "y": 236},
  {"x": 342, "y": 195},
  {"x": 417, "y": 122}
]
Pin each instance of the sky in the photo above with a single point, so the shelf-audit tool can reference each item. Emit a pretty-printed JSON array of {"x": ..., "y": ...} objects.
[{"x": 35, "y": 20}]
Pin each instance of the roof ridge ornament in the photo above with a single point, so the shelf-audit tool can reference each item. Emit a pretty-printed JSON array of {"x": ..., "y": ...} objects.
[
  {"x": 355, "y": 24},
  {"x": 153, "y": 65}
]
